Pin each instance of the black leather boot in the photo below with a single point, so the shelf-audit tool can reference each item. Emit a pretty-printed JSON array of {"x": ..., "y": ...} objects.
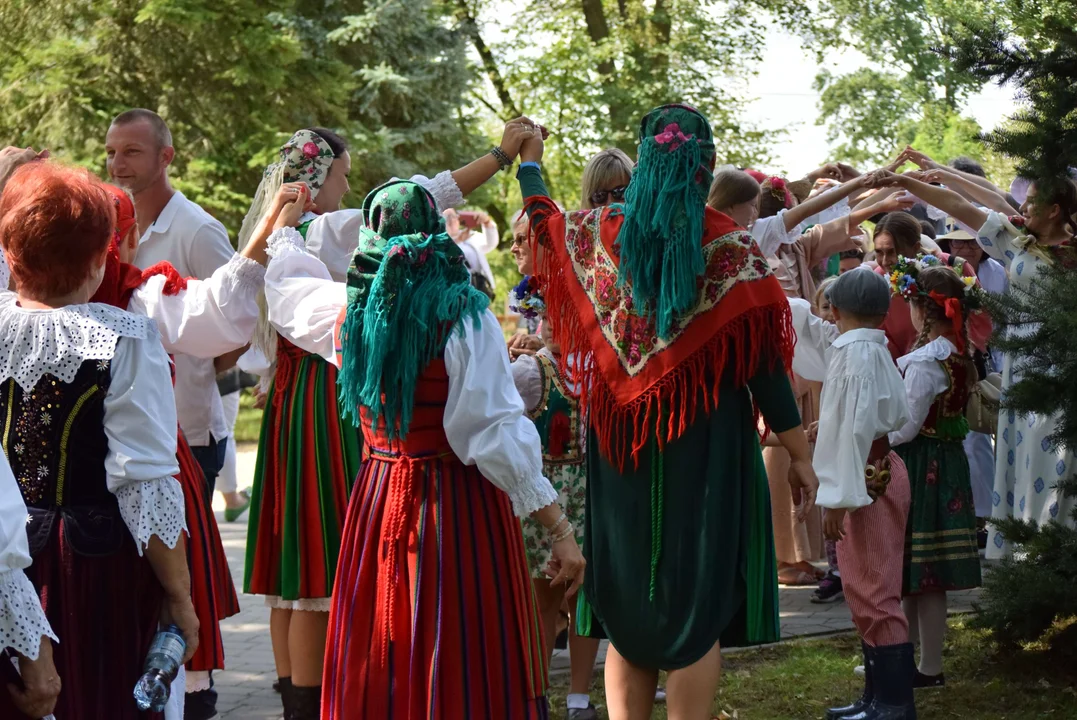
[
  {"x": 861, "y": 705},
  {"x": 284, "y": 687},
  {"x": 306, "y": 703},
  {"x": 893, "y": 670}
]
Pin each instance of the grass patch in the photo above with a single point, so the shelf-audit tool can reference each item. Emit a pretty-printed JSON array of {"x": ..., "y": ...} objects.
[
  {"x": 249, "y": 420},
  {"x": 800, "y": 680}
]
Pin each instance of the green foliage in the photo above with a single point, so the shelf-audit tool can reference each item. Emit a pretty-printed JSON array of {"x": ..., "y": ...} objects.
[
  {"x": 905, "y": 87},
  {"x": 590, "y": 70},
  {"x": 234, "y": 78}
]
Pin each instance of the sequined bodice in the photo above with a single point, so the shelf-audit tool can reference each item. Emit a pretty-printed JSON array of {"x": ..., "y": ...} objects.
[{"x": 54, "y": 437}]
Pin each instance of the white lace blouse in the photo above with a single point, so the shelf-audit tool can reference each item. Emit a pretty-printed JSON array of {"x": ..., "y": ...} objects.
[
  {"x": 22, "y": 620},
  {"x": 484, "y": 416},
  {"x": 924, "y": 381},
  {"x": 139, "y": 407}
]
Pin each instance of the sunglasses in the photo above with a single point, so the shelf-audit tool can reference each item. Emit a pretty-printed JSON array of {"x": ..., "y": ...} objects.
[{"x": 617, "y": 193}]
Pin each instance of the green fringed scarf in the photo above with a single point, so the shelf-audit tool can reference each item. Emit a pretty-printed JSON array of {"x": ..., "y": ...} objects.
[
  {"x": 405, "y": 295},
  {"x": 661, "y": 252}
]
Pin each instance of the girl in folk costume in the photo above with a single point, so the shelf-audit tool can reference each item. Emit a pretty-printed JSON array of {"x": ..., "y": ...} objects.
[
  {"x": 656, "y": 300},
  {"x": 940, "y": 550},
  {"x": 433, "y": 615},
  {"x": 202, "y": 319},
  {"x": 552, "y": 402},
  {"x": 1029, "y": 465},
  {"x": 307, "y": 458},
  {"x": 93, "y": 448}
]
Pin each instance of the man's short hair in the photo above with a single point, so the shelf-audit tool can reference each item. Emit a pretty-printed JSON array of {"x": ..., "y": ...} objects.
[
  {"x": 968, "y": 165},
  {"x": 160, "y": 129}
]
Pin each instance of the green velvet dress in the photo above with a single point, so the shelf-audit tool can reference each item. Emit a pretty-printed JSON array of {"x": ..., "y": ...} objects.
[{"x": 700, "y": 510}]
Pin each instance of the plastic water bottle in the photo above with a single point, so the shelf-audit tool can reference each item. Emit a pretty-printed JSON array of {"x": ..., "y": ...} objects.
[{"x": 162, "y": 665}]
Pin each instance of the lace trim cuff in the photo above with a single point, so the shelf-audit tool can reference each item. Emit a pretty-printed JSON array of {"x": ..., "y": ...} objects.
[
  {"x": 246, "y": 273},
  {"x": 284, "y": 241},
  {"x": 532, "y": 495},
  {"x": 445, "y": 191},
  {"x": 304, "y": 604},
  {"x": 154, "y": 507},
  {"x": 22, "y": 620}
]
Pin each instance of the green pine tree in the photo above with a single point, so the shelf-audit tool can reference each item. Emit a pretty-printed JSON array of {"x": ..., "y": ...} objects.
[{"x": 1033, "y": 45}]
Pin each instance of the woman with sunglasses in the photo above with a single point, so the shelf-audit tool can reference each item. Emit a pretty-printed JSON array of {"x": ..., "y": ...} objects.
[{"x": 605, "y": 179}]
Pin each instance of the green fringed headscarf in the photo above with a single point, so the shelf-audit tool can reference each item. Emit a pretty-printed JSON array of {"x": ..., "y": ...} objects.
[
  {"x": 405, "y": 295},
  {"x": 661, "y": 252}
]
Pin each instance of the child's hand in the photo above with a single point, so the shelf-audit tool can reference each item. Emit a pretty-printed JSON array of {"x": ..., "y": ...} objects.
[
  {"x": 813, "y": 431},
  {"x": 834, "y": 523}
]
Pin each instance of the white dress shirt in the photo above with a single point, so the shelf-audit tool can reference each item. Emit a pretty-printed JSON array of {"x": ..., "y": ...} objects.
[
  {"x": 196, "y": 244},
  {"x": 484, "y": 416},
  {"x": 769, "y": 233},
  {"x": 863, "y": 399}
]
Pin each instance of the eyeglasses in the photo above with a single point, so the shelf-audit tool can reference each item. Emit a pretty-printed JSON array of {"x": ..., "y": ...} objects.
[{"x": 618, "y": 194}]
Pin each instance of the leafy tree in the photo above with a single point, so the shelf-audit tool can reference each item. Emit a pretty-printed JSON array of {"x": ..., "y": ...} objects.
[
  {"x": 590, "y": 69},
  {"x": 234, "y": 78},
  {"x": 906, "y": 85}
]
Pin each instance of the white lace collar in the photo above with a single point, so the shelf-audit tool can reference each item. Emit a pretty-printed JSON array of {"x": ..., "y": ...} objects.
[
  {"x": 36, "y": 342},
  {"x": 938, "y": 349}
]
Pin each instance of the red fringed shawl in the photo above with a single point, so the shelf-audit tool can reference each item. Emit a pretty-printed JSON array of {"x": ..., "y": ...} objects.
[
  {"x": 634, "y": 383},
  {"x": 121, "y": 280}
]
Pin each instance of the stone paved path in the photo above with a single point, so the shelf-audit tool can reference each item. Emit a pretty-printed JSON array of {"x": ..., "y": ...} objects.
[{"x": 246, "y": 691}]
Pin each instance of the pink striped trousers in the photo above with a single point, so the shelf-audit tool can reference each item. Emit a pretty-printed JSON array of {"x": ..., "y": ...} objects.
[{"x": 870, "y": 557}]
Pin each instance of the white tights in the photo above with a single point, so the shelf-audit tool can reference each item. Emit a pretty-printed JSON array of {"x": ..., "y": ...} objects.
[{"x": 926, "y": 614}]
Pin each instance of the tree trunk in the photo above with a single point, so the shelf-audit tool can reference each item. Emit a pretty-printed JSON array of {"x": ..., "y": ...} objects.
[{"x": 489, "y": 63}]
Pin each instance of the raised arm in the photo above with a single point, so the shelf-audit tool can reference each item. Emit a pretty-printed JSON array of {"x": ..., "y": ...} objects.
[
  {"x": 477, "y": 172},
  {"x": 987, "y": 195},
  {"x": 819, "y": 203},
  {"x": 944, "y": 199}
]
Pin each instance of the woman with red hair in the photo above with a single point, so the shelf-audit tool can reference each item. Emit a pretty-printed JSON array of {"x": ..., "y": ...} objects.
[{"x": 93, "y": 451}]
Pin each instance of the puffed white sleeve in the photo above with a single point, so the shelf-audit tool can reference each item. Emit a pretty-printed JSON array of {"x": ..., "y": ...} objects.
[
  {"x": 997, "y": 238},
  {"x": 484, "y": 416},
  {"x": 924, "y": 380},
  {"x": 846, "y": 432},
  {"x": 770, "y": 233},
  {"x": 814, "y": 338},
  {"x": 444, "y": 189},
  {"x": 333, "y": 238},
  {"x": 527, "y": 376},
  {"x": 140, "y": 423},
  {"x": 304, "y": 301},
  {"x": 22, "y": 620},
  {"x": 210, "y": 317}
]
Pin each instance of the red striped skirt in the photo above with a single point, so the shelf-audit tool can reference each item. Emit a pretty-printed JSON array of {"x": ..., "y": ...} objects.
[
  {"x": 212, "y": 589},
  {"x": 433, "y": 614}
]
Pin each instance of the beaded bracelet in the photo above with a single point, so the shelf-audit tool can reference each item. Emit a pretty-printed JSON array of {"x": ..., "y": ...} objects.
[
  {"x": 569, "y": 530},
  {"x": 503, "y": 160},
  {"x": 557, "y": 524}
]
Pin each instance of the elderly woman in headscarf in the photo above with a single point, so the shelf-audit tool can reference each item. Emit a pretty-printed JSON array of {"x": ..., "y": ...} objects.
[
  {"x": 432, "y": 586},
  {"x": 677, "y": 331}
]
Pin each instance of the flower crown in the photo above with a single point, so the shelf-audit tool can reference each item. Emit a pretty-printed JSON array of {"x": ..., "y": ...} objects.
[
  {"x": 904, "y": 280},
  {"x": 526, "y": 299}
]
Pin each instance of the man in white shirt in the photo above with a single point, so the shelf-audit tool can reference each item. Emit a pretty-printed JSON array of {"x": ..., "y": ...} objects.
[
  {"x": 174, "y": 229},
  {"x": 863, "y": 400},
  {"x": 474, "y": 245}
]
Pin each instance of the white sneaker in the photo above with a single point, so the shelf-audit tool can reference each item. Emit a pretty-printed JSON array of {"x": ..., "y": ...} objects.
[
  {"x": 858, "y": 671},
  {"x": 660, "y": 695}
]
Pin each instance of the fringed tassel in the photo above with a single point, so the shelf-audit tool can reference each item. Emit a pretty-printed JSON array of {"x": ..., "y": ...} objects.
[
  {"x": 401, "y": 487},
  {"x": 658, "y": 481},
  {"x": 762, "y": 335},
  {"x": 174, "y": 282},
  {"x": 660, "y": 251}
]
